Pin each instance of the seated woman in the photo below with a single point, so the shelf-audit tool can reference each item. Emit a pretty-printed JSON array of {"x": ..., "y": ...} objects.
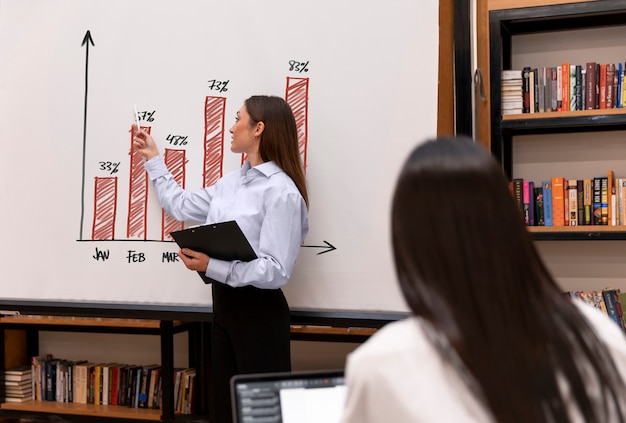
[{"x": 492, "y": 337}]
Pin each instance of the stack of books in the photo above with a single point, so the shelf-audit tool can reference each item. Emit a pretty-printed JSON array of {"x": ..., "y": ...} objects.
[
  {"x": 16, "y": 385},
  {"x": 512, "y": 92}
]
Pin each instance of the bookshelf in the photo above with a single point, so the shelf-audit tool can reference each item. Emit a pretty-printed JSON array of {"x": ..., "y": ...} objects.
[
  {"x": 34, "y": 316},
  {"x": 165, "y": 329},
  {"x": 507, "y": 29}
]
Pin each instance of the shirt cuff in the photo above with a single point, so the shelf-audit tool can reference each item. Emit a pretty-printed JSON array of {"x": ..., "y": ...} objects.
[
  {"x": 218, "y": 269},
  {"x": 156, "y": 167}
]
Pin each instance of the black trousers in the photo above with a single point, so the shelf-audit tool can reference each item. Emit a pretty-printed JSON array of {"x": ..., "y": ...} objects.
[{"x": 251, "y": 334}]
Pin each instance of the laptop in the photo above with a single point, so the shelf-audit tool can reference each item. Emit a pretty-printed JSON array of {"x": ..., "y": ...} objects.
[{"x": 295, "y": 397}]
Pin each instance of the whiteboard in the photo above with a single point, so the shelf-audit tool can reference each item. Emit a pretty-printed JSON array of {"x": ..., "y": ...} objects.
[{"x": 361, "y": 75}]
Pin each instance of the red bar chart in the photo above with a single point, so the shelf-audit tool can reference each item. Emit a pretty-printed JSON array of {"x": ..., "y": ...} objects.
[{"x": 106, "y": 189}]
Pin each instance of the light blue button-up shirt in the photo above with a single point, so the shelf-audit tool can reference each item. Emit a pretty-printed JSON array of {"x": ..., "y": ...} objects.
[{"x": 265, "y": 203}]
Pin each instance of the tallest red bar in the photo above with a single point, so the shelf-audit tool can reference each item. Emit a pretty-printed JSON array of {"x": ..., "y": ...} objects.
[{"x": 297, "y": 96}]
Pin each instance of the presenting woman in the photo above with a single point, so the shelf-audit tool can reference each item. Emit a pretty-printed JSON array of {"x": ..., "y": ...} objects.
[{"x": 268, "y": 198}]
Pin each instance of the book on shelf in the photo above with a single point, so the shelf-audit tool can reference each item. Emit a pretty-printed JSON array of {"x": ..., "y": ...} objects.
[
  {"x": 532, "y": 90},
  {"x": 572, "y": 192},
  {"x": 590, "y": 86},
  {"x": 558, "y": 200},
  {"x": 610, "y": 85},
  {"x": 597, "y": 200},
  {"x": 608, "y": 300},
  {"x": 565, "y": 84},
  {"x": 526, "y": 202},
  {"x": 602, "y": 86},
  {"x": 604, "y": 200},
  {"x": 613, "y": 306},
  {"x": 572, "y": 88},
  {"x": 526, "y": 88},
  {"x": 15, "y": 399},
  {"x": 155, "y": 374},
  {"x": 619, "y": 80},
  {"x": 580, "y": 201},
  {"x": 611, "y": 215},
  {"x": 587, "y": 196},
  {"x": 621, "y": 199},
  {"x": 539, "y": 210},
  {"x": 518, "y": 194},
  {"x": 547, "y": 202},
  {"x": 17, "y": 374}
]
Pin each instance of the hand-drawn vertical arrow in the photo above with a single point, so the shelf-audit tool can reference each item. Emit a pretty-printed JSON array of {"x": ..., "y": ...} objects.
[
  {"x": 86, "y": 41},
  {"x": 328, "y": 247}
]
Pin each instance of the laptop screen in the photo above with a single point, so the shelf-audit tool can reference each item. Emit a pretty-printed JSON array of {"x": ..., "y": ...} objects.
[{"x": 296, "y": 397}]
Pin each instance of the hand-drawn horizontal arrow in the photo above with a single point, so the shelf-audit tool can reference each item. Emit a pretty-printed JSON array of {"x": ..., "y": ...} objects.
[{"x": 328, "y": 245}]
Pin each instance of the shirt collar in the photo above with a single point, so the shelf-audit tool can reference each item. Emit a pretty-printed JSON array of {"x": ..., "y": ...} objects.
[{"x": 267, "y": 168}]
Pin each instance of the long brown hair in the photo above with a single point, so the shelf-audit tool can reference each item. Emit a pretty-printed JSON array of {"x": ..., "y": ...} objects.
[
  {"x": 467, "y": 265},
  {"x": 279, "y": 139}
]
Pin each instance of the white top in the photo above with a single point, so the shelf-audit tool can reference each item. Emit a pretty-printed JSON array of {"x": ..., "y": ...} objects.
[{"x": 398, "y": 376}]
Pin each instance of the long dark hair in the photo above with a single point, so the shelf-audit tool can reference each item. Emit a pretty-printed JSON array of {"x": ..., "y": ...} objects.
[
  {"x": 466, "y": 264},
  {"x": 279, "y": 139}
]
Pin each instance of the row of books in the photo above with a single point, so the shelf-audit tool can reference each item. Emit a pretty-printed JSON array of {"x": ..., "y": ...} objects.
[
  {"x": 16, "y": 384},
  {"x": 572, "y": 202},
  {"x": 85, "y": 382},
  {"x": 565, "y": 87},
  {"x": 608, "y": 300}
]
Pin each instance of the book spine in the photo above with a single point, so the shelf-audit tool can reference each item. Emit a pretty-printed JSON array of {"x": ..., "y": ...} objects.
[
  {"x": 602, "y": 84},
  {"x": 578, "y": 84},
  {"x": 611, "y": 308},
  {"x": 531, "y": 204},
  {"x": 597, "y": 201},
  {"x": 565, "y": 86},
  {"x": 572, "y": 192},
  {"x": 580, "y": 190},
  {"x": 604, "y": 190},
  {"x": 558, "y": 201},
  {"x": 518, "y": 194},
  {"x": 621, "y": 187},
  {"x": 526, "y": 89},
  {"x": 588, "y": 204},
  {"x": 526, "y": 202},
  {"x": 554, "y": 92},
  {"x": 610, "y": 85},
  {"x": 539, "y": 211},
  {"x": 618, "y": 89},
  {"x": 611, "y": 198},
  {"x": 547, "y": 202}
]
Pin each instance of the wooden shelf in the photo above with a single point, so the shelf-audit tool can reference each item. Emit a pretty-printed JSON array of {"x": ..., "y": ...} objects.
[
  {"x": 567, "y": 114},
  {"x": 574, "y": 233},
  {"x": 86, "y": 410},
  {"x": 28, "y": 319}
]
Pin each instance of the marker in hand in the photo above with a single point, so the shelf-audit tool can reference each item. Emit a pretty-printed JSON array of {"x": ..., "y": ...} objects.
[{"x": 136, "y": 116}]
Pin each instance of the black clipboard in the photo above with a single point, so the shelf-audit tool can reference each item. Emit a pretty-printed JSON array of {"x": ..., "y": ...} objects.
[{"x": 223, "y": 241}]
